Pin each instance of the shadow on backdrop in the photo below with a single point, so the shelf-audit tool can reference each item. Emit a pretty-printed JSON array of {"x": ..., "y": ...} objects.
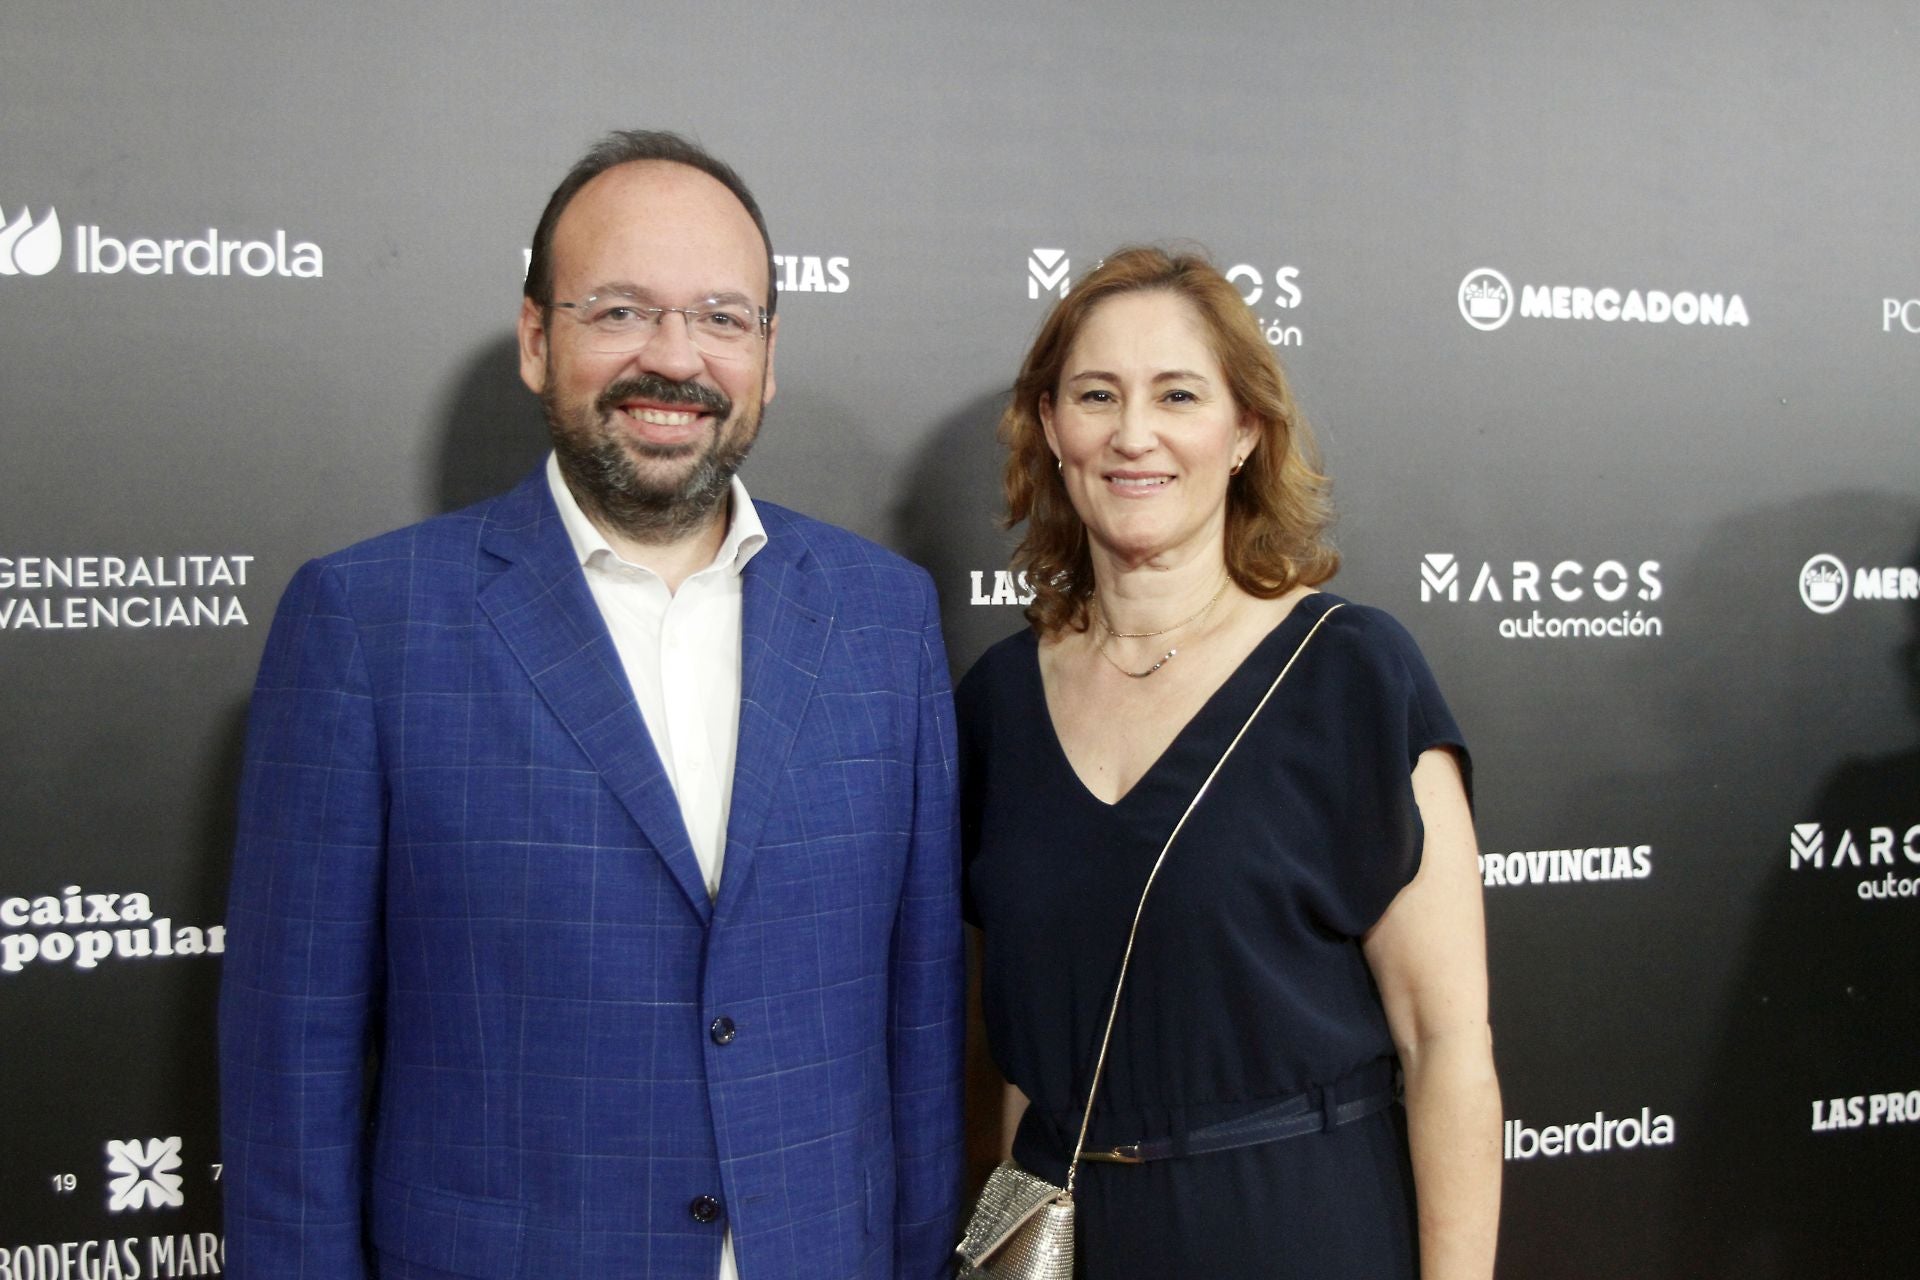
[
  {"x": 1824, "y": 1002},
  {"x": 491, "y": 429},
  {"x": 187, "y": 1023},
  {"x": 1701, "y": 982},
  {"x": 947, "y": 519},
  {"x": 820, "y": 457}
]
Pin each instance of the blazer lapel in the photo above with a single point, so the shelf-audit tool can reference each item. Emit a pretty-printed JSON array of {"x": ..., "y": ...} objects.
[
  {"x": 786, "y": 619},
  {"x": 544, "y": 611}
]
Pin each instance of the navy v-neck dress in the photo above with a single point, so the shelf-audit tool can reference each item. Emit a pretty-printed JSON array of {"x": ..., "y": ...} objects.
[{"x": 1248, "y": 984}]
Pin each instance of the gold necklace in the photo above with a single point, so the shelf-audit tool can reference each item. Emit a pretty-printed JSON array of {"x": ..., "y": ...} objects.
[
  {"x": 1101, "y": 648},
  {"x": 1100, "y": 645},
  {"x": 1144, "y": 635}
]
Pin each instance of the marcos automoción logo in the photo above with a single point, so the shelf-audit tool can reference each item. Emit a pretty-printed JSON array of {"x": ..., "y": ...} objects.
[
  {"x": 1813, "y": 847},
  {"x": 1274, "y": 293},
  {"x": 1048, "y": 273},
  {"x": 1565, "y": 592}
]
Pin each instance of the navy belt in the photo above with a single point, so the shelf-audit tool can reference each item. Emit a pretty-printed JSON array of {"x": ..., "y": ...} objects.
[{"x": 1315, "y": 1111}]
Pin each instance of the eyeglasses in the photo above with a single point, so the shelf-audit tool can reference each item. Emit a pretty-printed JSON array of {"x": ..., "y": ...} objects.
[{"x": 620, "y": 324}]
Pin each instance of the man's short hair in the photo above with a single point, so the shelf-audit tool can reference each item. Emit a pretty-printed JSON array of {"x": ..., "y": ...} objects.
[{"x": 626, "y": 146}]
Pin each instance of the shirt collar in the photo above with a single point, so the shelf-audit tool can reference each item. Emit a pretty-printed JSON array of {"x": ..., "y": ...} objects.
[{"x": 745, "y": 534}]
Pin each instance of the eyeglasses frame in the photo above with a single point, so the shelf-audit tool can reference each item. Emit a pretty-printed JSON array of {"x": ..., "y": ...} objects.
[{"x": 763, "y": 321}]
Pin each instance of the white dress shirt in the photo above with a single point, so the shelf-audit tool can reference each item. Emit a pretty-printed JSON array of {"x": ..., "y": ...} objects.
[{"x": 681, "y": 652}]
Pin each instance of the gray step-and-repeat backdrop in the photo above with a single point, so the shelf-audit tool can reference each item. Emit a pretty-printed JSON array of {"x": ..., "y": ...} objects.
[{"x": 1609, "y": 316}]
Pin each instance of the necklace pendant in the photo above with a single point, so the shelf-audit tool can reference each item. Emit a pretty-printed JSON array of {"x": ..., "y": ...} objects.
[{"x": 1142, "y": 675}]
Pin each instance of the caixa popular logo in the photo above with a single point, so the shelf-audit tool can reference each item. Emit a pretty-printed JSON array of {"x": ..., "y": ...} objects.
[
  {"x": 1813, "y": 847},
  {"x": 1488, "y": 300},
  {"x": 1444, "y": 579},
  {"x": 29, "y": 248},
  {"x": 86, "y": 930},
  {"x": 34, "y": 248},
  {"x": 1825, "y": 584}
]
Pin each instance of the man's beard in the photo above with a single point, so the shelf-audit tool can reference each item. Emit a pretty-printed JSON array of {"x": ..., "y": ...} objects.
[{"x": 602, "y": 468}]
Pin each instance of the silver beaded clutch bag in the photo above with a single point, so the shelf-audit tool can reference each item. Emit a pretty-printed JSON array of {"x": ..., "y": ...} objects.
[{"x": 1021, "y": 1229}]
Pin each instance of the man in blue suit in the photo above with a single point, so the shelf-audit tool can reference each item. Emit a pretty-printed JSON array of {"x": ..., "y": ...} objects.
[{"x": 594, "y": 911}]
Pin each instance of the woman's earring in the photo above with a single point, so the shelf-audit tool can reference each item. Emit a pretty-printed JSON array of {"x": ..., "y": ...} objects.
[
  {"x": 1058, "y": 465},
  {"x": 1234, "y": 470}
]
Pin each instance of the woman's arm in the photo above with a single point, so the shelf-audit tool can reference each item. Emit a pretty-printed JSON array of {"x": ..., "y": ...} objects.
[
  {"x": 994, "y": 1107},
  {"x": 1013, "y": 1105},
  {"x": 1429, "y": 957}
]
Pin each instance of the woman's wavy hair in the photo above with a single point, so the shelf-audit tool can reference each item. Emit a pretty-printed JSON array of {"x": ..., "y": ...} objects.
[{"x": 1278, "y": 508}]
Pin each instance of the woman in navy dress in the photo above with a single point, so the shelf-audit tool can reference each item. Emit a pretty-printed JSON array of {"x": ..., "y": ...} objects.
[{"x": 1316, "y": 936}]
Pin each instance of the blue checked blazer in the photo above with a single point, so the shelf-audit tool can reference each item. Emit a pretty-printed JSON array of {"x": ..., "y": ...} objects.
[{"x": 459, "y": 859}]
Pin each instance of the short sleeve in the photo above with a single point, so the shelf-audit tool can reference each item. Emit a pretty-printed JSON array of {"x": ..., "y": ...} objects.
[
  {"x": 1381, "y": 708},
  {"x": 1430, "y": 721}
]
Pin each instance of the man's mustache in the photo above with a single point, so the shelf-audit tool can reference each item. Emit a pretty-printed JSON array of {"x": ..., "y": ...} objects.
[{"x": 653, "y": 387}]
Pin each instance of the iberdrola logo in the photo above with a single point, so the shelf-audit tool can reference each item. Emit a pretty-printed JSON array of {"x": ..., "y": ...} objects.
[{"x": 29, "y": 248}]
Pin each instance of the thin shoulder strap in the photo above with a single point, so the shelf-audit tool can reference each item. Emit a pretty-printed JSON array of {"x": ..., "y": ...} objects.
[{"x": 1126, "y": 956}]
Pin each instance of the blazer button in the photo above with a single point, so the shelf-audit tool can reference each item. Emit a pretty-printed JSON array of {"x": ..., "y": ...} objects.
[
  {"x": 704, "y": 1208},
  {"x": 722, "y": 1030}
]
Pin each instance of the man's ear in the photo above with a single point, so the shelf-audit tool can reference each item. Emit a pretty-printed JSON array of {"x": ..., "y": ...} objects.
[{"x": 532, "y": 332}]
